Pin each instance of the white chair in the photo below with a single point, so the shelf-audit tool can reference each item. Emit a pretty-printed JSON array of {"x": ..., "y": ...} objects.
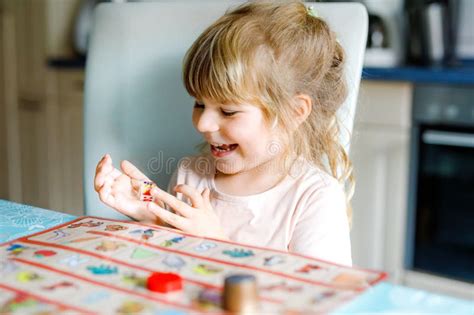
[{"x": 136, "y": 107}]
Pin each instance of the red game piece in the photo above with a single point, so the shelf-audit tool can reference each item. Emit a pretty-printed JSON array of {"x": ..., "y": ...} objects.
[{"x": 164, "y": 282}]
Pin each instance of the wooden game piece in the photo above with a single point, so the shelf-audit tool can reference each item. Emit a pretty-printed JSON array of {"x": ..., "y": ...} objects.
[
  {"x": 240, "y": 294},
  {"x": 164, "y": 282}
]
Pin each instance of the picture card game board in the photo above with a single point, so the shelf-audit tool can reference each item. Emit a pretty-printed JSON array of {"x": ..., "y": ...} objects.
[{"x": 98, "y": 265}]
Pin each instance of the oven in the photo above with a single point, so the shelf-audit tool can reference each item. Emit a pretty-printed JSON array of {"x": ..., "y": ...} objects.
[{"x": 440, "y": 220}]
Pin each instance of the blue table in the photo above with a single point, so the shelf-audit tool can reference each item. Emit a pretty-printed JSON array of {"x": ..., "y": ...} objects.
[{"x": 18, "y": 220}]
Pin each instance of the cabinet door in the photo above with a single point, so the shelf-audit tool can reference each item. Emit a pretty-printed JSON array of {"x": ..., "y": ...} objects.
[
  {"x": 42, "y": 132},
  {"x": 34, "y": 152},
  {"x": 380, "y": 159},
  {"x": 4, "y": 23},
  {"x": 65, "y": 137},
  {"x": 31, "y": 109},
  {"x": 380, "y": 152},
  {"x": 70, "y": 108},
  {"x": 10, "y": 161}
]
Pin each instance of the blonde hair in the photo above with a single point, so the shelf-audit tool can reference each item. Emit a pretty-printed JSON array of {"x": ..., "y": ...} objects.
[{"x": 265, "y": 53}]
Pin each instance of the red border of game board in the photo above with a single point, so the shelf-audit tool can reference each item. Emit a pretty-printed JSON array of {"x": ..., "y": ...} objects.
[{"x": 45, "y": 300}]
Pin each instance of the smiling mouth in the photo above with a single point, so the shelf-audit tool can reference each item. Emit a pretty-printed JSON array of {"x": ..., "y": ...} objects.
[{"x": 223, "y": 149}]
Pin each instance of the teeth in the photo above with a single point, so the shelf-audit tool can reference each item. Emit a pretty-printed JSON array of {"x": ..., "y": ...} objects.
[{"x": 222, "y": 147}]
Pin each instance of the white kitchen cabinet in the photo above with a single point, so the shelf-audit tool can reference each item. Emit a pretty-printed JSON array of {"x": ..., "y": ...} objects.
[
  {"x": 40, "y": 107},
  {"x": 65, "y": 120},
  {"x": 380, "y": 153}
]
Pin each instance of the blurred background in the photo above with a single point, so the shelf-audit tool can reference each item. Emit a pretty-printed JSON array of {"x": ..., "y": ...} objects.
[{"x": 413, "y": 139}]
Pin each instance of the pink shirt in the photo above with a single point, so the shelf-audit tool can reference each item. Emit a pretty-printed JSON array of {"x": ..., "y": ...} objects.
[{"x": 305, "y": 213}]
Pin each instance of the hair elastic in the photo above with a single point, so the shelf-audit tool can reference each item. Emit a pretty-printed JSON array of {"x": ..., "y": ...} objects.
[{"x": 312, "y": 11}]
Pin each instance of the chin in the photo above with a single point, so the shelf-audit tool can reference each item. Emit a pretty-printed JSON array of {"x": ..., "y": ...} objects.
[{"x": 228, "y": 168}]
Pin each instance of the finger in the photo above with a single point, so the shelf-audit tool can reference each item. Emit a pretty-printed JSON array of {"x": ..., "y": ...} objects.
[
  {"x": 105, "y": 195},
  {"x": 132, "y": 171},
  {"x": 106, "y": 170},
  {"x": 136, "y": 176},
  {"x": 105, "y": 166},
  {"x": 137, "y": 210},
  {"x": 175, "y": 220},
  {"x": 101, "y": 161},
  {"x": 206, "y": 196},
  {"x": 192, "y": 194},
  {"x": 105, "y": 159},
  {"x": 159, "y": 203},
  {"x": 137, "y": 184},
  {"x": 99, "y": 180},
  {"x": 122, "y": 203},
  {"x": 177, "y": 205}
]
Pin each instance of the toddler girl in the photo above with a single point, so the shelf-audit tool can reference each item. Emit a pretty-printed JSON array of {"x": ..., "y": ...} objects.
[{"x": 268, "y": 79}]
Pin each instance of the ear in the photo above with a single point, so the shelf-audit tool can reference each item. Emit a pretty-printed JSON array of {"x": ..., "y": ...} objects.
[{"x": 304, "y": 105}]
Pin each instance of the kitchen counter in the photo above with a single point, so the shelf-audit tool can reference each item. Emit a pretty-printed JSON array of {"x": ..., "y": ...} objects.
[{"x": 443, "y": 75}]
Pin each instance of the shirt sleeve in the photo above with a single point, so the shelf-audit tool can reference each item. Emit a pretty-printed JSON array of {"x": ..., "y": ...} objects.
[{"x": 322, "y": 228}]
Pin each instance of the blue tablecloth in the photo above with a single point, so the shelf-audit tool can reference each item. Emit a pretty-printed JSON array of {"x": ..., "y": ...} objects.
[
  {"x": 18, "y": 220},
  {"x": 394, "y": 299}
]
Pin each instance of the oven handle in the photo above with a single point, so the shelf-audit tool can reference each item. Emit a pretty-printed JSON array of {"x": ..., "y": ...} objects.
[{"x": 456, "y": 139}]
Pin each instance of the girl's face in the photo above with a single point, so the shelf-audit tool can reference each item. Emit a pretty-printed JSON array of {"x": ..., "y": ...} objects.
[{"x": 238, "y": 134}]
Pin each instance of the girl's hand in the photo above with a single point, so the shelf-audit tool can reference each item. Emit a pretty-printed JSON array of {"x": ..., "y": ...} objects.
[
  {"x": 120, "y": 189},
  {"x": 198, "y": 218}
]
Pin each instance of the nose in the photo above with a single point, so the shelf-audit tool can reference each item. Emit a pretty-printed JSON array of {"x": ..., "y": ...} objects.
[{"x": 206, "y": 121}]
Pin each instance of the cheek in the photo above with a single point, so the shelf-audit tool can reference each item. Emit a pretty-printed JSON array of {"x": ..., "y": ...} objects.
[
  {"x": 195, "y": 118},
  {"x": 251, "y": 136},
  {"x": 242, "y": 131}
]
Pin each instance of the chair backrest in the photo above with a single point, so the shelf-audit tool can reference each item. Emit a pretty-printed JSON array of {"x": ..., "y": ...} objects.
[{"x": 136, "y": 107}]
